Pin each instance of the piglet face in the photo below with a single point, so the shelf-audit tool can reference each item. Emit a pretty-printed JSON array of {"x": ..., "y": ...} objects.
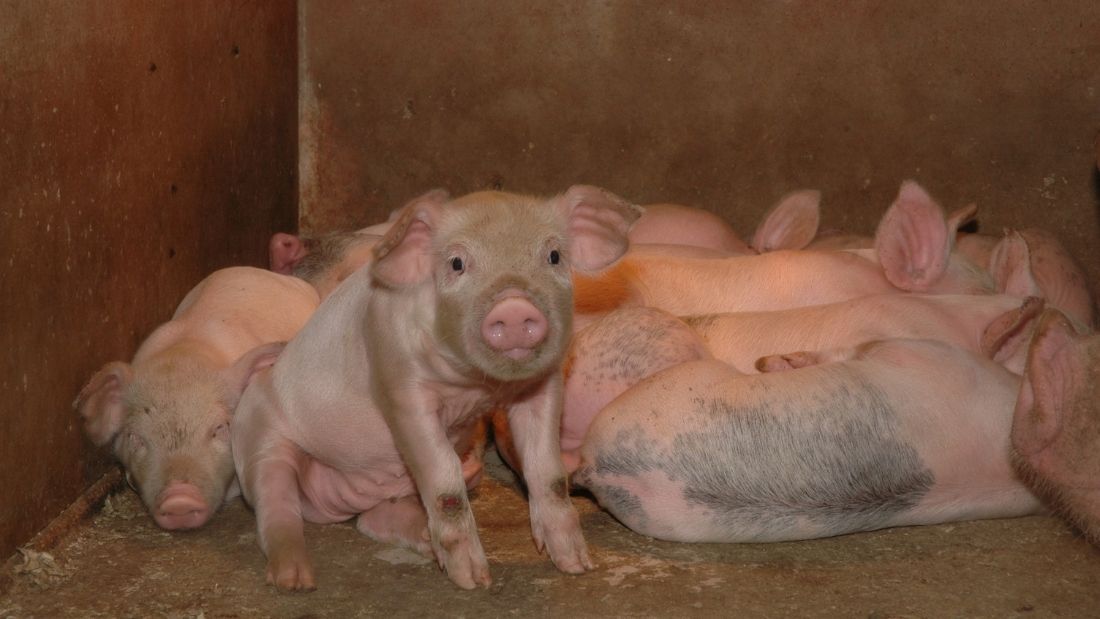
[
  {"x": 174, "y": 444},
  {"x": 500, "y": 270},
  {"x": 167, "y": 422},
  {"x": 503, "y": 286}
]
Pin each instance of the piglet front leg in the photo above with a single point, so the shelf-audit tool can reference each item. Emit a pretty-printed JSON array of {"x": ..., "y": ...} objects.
[
  {"x": 535, "y": 422},
  {"x": 436, "y": 467}
]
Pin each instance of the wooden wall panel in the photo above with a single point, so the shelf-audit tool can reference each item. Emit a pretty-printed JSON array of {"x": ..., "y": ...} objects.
[{"x": 142, "y": 145}]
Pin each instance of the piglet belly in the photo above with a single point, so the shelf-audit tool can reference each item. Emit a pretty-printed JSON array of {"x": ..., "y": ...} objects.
[{"x": 333, "y": 495}]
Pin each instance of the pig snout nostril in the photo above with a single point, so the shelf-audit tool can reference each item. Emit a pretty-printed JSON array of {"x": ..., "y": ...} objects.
[
  {"x": 181, "y": 506},
  {"x": 514, "y": 327}
]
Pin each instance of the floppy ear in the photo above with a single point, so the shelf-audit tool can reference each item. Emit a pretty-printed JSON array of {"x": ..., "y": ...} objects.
[
  {"x": 100, "y": 402},
  {"x": 912, "y": 241},
  {"x": 790, "y": 224},
  {"x": 598, "y": 223},
  {"x": 1055, "y": 375},
  {"x": 403, "y": 256},
  {"x": 237, "y": 376}
]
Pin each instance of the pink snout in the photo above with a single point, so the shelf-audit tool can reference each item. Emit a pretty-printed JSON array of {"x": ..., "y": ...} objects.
[
  {"x": 181, "y": 506},
  {"x": 514, "y": 327}
]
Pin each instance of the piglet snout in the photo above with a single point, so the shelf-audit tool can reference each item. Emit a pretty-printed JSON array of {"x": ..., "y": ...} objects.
[
  {"x": 181, "y": 506},
  {"x": 514, "y": 326}
]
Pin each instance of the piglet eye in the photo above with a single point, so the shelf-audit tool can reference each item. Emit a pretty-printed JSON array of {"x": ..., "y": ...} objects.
[
  {"x": 555, "y": 257},
  {"x": 456, "y": 264}
]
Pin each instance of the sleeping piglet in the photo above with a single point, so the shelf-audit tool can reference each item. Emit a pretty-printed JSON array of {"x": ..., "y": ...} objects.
[
  {"x": 371, "y": 411},
  {"x": 167, "y": 414}
]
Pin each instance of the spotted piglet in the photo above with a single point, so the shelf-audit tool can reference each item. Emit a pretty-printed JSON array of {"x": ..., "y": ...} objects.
[{"x": 371, "y": 411}]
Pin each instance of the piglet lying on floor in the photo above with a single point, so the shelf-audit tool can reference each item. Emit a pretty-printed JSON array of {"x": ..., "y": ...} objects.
[
  {"x": 892, "y": 433},
  {"x": 465, "y": 307},
  {"x": 167, "y": 414}
]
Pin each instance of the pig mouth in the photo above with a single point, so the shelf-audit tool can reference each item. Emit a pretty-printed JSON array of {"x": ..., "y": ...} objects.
[{"x": 518, "y": 354}]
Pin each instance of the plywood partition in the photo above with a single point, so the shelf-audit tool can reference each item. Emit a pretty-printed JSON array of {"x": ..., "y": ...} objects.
[
  {"x": 725, "y": 105},
  {"x": 142, "y": 145}
]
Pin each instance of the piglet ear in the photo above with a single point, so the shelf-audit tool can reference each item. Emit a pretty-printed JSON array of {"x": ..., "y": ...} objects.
[
  {"x": 1055, "y": 376},
  {"x": 791, "y": 224},
  {"x": 238, "y": 375},
  {"x": 284, "y": 252},
  {"x": 912, "y": 241},
  {"x": 403, "y": 256},
  {"x": 962, "y": 216},
  {"x": 598, "y": 223},
  {"x": 1010, "y": 266},
  {"x": 100, "y": 402}
]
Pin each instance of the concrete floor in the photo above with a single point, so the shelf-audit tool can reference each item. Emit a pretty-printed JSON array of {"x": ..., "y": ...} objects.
[{"x": 121, "y": 565}]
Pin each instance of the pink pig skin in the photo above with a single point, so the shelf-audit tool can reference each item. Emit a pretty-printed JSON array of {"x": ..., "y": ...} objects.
[
  {"x": 675, "y": 224},
  {"x": 464, "y": 308},
  {"x": 1056, "y": 429},
  {"x": 167, "y": 414},
  {"x": 702, "y": 453}
]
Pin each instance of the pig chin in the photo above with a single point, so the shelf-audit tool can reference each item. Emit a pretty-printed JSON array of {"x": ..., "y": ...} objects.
[{"x": 516, "y": 364}]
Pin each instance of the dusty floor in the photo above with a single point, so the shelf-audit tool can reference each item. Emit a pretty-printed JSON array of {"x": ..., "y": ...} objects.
[{"x": 121, "y": 565}]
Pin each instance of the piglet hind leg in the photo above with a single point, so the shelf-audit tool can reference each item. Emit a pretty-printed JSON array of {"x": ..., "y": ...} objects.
[
  {"x": 401, "y": 521},
  {"x": 554, "y": 523}
]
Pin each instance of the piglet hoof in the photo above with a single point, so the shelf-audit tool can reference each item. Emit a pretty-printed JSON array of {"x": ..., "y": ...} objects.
[
  {"x": 465, "y": 564},
  {"x": 561, "y": 536},
  {"x": 569, "y": 552},
  {"x": 290, "y": 573}
]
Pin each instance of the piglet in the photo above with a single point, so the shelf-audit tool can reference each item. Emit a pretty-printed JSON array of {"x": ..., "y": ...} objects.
[
  {"x": 166, "y": 415},
  {"x": 852, "y": 440},
  {"x": 372, "y": 410},
  {"x": 1056, "y": 429}
]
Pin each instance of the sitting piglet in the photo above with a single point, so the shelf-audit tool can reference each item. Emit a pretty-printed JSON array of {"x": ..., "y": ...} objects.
[
  {"x": 465, "y": 307},
  {"x": 166, "y": 415}
]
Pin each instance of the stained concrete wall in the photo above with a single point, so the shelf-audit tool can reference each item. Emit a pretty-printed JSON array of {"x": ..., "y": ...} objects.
[
  {"x": 142, "y": 145},
  {"x": 725, "y": 105}
]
